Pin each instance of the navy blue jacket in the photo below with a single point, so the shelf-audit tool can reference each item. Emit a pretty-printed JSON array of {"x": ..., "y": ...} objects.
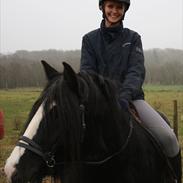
[{"x": 116, "y": 53}]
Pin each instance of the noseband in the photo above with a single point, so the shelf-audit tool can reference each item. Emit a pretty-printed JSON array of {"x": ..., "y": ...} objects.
[{"x": 30, "y": 145}]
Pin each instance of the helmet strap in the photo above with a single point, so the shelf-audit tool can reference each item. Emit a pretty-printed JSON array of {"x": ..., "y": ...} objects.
[{"x": 120, "y": 21}]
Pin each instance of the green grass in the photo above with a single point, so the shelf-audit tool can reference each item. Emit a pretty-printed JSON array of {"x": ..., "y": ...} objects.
[
  {"x": 165, "y": 88},
  {"x": 17, "y": 103},
  {"x": 162, "y": 98}
]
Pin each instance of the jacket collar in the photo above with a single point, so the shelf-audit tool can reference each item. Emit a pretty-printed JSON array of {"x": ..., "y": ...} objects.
[{"x": 110, "y": 33}]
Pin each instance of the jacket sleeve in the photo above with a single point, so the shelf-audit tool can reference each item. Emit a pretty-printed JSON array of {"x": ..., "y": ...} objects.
[
  {"x": 88, "y": 58},
  {"x": 135, "y": 74}
]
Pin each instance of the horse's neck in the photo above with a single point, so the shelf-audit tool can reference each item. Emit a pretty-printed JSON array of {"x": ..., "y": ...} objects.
[
  {"x": 115, "y": 132},
  {"x": 122, "y": 127}
]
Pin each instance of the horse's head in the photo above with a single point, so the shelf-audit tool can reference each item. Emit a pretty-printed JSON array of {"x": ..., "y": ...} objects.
[
  {"x": 66, "y": 124},
  {"x": 52, "y": 132}
]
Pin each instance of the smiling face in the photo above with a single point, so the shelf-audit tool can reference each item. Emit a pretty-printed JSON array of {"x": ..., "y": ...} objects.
[{"x": 114, "y": 12}]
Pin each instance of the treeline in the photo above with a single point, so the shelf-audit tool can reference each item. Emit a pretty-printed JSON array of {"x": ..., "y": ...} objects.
[
  {"x": 164, "y": 66},
  {"x": 23, "y": 68}
]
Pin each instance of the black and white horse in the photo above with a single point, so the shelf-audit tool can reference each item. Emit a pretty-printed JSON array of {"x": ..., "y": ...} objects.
[{"x": 76, "y": 131}]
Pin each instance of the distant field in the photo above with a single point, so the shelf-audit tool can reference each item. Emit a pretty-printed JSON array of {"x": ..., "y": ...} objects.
[
  {"x": 158, "y": 88},
  {"x": 17, "y": 103},
  {"x": 162, "y": 97}
]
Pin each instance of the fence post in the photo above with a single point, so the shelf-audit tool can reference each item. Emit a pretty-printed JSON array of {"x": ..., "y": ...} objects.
[{"x": 175, "y": 117}]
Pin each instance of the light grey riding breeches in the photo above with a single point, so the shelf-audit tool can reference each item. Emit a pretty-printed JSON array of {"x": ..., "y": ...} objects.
[{"x": 158, "y": 127}]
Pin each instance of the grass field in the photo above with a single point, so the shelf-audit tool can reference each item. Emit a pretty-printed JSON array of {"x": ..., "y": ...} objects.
[{"x": 17, "y": 103}]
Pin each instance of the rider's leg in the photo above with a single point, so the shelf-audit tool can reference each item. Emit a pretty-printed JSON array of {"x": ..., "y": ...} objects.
[{"x": 162, "y": 132}]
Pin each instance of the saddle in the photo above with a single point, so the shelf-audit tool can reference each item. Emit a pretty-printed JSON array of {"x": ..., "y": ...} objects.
[{"x": 133, "y": 111}]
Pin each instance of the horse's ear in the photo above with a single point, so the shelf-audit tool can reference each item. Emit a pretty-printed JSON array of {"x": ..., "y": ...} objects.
[
  {"x": 70, "y": 76},
  {"x": 49, "y": 71}
]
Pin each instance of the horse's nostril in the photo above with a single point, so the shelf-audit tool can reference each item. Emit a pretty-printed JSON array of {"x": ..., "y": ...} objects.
[{"x": 2, "y": 173}]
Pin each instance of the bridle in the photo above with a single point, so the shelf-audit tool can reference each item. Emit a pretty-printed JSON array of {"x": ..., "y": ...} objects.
[
  {"x": 49, "y": 157},
  {"x": 30, "y": 145}
]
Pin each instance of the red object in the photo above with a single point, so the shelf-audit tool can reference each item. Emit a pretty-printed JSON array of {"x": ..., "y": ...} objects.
[{"x": 1, "y": 125}]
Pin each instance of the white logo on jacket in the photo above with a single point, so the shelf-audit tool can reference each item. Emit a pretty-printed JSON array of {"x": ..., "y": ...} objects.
[{"x": 126, "y": 44}]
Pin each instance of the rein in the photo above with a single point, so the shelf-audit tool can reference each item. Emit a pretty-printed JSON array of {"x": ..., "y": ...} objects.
[{"x": 49, "y": 157}]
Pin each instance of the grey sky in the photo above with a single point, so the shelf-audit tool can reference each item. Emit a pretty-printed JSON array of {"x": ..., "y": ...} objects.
[{"x": 60, "y": 24}]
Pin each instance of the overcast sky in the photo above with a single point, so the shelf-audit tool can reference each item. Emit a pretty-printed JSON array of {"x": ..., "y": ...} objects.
[{"x": 60, "y": 24}]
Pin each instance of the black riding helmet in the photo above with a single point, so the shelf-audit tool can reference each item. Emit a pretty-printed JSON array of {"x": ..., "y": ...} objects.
[{"x": 127, "y": 2}]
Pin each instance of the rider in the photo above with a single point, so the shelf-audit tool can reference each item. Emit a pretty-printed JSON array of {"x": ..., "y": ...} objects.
[{"x": 116, "y": 52}]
